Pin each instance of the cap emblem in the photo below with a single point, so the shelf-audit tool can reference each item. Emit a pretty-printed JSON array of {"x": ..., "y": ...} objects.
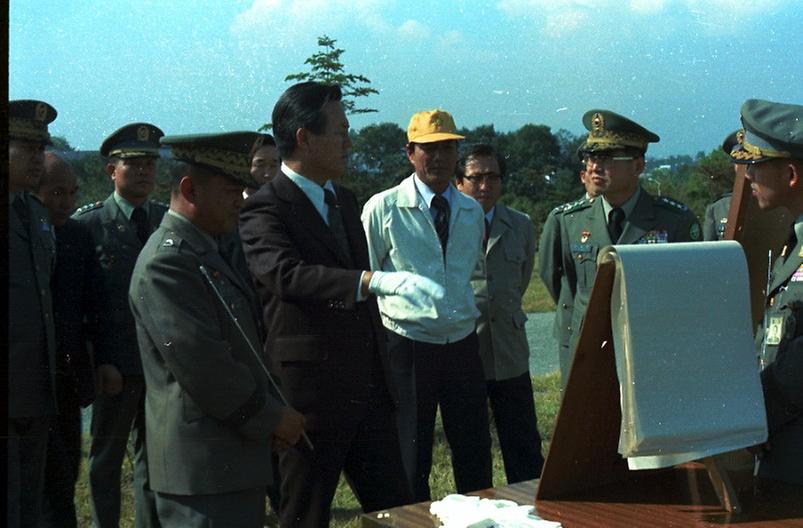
[
  {"x": 598, "y": 125},
  {"x": 41, "y": 112},
  {"x": 143, "y": 134}
]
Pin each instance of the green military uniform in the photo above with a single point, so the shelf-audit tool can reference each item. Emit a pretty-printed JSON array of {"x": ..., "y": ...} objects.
[
  {"x": 209, "y": 412},
  {"x": 31, "y": 330},
  {"x": 113, "y": 229},
  {"x": 584, "y": 228},
  {"x": 775, "y": 131},
  {"x": 550, "y": 268},
  {"x": 716, "y": 218}
]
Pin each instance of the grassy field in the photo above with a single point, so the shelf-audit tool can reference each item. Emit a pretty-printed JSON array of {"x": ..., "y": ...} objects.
[{"x": 345, "y": 509}]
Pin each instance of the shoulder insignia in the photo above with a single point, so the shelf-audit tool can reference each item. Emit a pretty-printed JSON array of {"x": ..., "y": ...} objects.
[
  {"x": 574, "y": 206},
  {"x": 663, "y": 200},
  {"x": 89, "y": 207},
  {"x": 160, "y": 204}
]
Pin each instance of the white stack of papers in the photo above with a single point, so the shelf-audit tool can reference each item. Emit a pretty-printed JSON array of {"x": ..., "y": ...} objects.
[{"x": 462, "y": 511}]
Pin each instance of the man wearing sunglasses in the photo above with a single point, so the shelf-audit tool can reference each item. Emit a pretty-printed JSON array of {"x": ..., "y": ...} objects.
[{"x": 623, "y": 214}]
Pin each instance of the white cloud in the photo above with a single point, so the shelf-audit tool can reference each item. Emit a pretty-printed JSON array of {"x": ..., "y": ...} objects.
[
  {"x": 647, "y": 7},
  {"x": 559, "y": 17},
  {"x": 413, "y": 30},
  {"x": 305, "y": 17}
]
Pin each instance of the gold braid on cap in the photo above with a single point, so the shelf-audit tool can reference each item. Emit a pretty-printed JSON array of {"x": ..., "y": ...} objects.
[
  {"x": 601, "y": 137},
  {"x": 232, "y": 163},
  {"x": 759, "y": 152},
  {"x": 139, "y": 152},
  {"x": 27, "y": 129}
]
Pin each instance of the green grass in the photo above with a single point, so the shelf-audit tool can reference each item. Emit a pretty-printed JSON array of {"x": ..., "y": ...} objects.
[
  {"x": 345, "y": 509},
  {"x": 536, "y": 298}
]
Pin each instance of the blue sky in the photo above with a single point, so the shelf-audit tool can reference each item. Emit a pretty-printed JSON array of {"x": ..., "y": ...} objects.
[{"x": 681, "y": 68}]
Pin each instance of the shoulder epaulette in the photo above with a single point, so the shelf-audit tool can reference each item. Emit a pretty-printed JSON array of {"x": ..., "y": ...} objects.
[
  {"x": 160, "y": 204},
  {"x": 89, "y": 207},
  {"x": 573, "y": 206},
  {"x": 663, "y": 200}
]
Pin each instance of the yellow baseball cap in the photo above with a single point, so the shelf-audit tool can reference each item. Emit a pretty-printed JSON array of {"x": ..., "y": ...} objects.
[{"x": 431, "y": 126}]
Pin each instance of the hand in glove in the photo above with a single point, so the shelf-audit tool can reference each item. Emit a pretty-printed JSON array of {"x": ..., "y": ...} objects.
[{"x": 416, "y": 289}]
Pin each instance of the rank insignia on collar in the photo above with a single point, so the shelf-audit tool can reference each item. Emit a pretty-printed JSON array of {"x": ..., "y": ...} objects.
[
  {"x": 584, "y": 236},
  {"x": 798, "y": 276}
]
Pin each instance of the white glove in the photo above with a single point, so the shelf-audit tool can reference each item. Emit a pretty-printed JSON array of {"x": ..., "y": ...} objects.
[{"x": 416, "y": 289}]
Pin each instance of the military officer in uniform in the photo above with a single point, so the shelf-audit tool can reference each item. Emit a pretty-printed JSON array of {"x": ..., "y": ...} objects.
[
  {"x": 772, "y": 151},
  {"x": 623, "y": 214},
  {"x": 716, "y": 213},
  {"x": 499, "y": 282},
  {"x": 550, "y": 267},
  {"x": 211, "y": 413},
  {"x": 120, "y": 225},
  {"x": 31, "y": 331}
]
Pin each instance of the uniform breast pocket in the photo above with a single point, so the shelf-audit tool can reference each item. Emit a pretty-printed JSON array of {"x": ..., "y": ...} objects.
[
  {"x": 585, "y": 261},
  {"x": 514, "y": 253}
]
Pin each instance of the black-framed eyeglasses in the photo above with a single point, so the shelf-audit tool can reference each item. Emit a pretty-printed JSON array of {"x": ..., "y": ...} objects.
[{"x": 487, "y": 178}]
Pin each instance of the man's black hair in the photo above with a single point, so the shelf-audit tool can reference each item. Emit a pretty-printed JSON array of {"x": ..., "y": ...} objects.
[
  {"x": 301, "y": 106},
  {"x": 479, "y": 150}
]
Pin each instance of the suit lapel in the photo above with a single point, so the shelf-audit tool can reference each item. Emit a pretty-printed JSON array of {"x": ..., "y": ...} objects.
[
  {"x": 641, "y": 220},
  {"x": 305, "y": 214},
  {"x": 500, "y": 224}
]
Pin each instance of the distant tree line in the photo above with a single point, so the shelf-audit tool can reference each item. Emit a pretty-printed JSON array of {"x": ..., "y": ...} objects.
[{"x": 542, "y": 168}]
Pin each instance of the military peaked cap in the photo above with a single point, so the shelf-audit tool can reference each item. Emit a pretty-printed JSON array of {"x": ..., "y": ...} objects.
[
  {"x": 609, "y": 131},
  {"x": 228, "y": 154},
  {"x": 136, "y": 140},
  {"x": 28, "y": 120},
  {"x": 771, "y": 131}
]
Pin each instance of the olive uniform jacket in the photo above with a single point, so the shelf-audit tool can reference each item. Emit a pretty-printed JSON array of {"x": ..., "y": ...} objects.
[
  {"x": 653, "y": 220},
  {"x": 499, "y": 283},
  {"x": 716, "y": 218},
  {"x": 550, "y": 268},
  {"x": 117, "y": 247},
  {"x": 31, "y": 330},
  {"x": 209, "y": 412},
  {"x": 781, "y": 350}
]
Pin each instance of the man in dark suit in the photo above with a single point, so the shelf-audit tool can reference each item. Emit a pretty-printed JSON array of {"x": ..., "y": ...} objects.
[
  {"x": 499, "y": 282},
  {"x": 306, "y": 249},
  {"x": 77, "y": 304},
  {"x": 120, "y": 225},
  {"x": 31, "y": 334},
  {"x": 211, "y": 412}
]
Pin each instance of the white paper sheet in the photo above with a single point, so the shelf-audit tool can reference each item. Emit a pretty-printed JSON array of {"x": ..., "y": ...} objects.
[{"x": 689, "y": 380}]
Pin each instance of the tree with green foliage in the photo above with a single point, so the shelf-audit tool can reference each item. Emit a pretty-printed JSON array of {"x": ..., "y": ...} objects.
[{"x": 326, "y": 67}]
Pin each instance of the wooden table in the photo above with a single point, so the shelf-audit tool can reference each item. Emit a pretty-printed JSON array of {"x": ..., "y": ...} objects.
[{"x": 774, "y": 506}]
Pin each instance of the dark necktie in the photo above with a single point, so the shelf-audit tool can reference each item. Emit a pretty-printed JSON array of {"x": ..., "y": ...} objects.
[
  {"x": 336, "y": 224},
  {"x": 486, "y": 235},
  {"x": 616, "y": 218},
  {"x": 140, "y": 219},
  {"x": 441, "y": 219}
]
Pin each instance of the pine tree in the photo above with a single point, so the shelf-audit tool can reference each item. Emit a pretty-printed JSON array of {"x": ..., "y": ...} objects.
[{"x": 325, "y": 67}]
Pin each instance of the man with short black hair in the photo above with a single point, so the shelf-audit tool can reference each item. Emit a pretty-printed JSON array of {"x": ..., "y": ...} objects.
[
  {"x": 427, "y": 226},
  {"x": 307, "y": 253},
  {"x": 120, "y": 225},
  {"x": 502, "y": 276}
]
